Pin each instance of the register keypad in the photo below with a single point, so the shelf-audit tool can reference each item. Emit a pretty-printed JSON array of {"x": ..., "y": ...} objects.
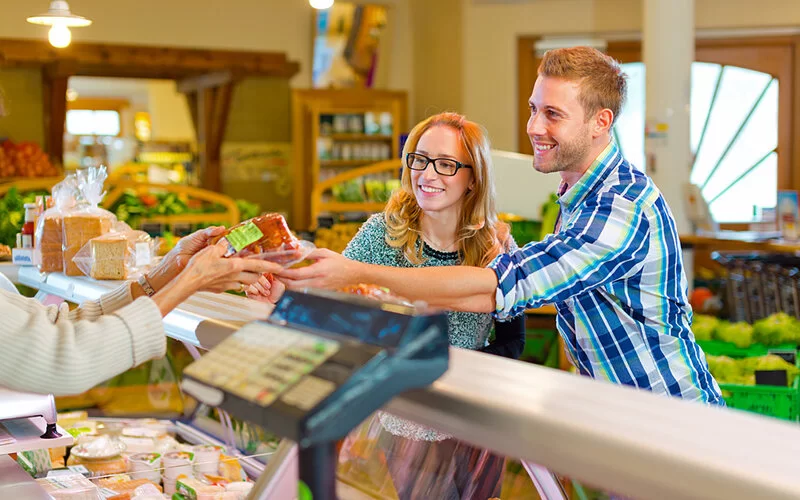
[{"x": 277, "y": 360}]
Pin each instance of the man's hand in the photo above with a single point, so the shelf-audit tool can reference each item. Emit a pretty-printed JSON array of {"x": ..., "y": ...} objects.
[{"x": 331, "y": 270}]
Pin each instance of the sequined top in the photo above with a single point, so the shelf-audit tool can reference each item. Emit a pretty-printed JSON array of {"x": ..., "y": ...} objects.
[{"x": 465, "y": 330}]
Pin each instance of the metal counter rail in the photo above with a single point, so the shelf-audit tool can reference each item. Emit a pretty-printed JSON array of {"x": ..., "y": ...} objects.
[
  {"x": 203, "y": 320},
  {"x": 631, "y": 442}
]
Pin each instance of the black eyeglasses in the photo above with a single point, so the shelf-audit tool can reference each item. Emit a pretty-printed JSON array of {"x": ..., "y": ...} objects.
[{"x": 442, "y": 166}]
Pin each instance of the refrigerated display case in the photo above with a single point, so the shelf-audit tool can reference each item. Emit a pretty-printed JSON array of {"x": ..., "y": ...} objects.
[{"x": 619, "y": 439}]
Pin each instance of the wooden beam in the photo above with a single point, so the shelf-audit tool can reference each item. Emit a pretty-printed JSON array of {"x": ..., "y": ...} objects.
[
  {"x": 93, "y": 59},
  {"x": 195, "y": 83}
]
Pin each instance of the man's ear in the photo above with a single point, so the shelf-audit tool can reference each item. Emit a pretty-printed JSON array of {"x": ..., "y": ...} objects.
[{"x": 603, "y": 120}]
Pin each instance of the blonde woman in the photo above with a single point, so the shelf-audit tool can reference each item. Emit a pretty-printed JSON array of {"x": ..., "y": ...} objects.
[{"x": 443, "y": 215}]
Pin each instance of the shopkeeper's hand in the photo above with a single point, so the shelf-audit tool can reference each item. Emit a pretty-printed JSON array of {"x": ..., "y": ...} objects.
[
  {"x": 209, "y": 271},
  {"x": 177, "y": 258},
  {"x": 331, "y": 270},
  {"x": 268, "y": 288}
]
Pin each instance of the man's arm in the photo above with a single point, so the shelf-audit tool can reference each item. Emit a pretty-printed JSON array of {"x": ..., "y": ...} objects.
[
  {"x": 458, "y": 288},
  {"x": 607, "y": 242}
]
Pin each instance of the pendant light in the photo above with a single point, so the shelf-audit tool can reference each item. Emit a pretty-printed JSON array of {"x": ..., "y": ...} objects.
[{"x": 60, "y": 20}]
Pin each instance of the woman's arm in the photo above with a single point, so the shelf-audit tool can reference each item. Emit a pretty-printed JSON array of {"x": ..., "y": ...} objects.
[{"x": 509, "y": 338}]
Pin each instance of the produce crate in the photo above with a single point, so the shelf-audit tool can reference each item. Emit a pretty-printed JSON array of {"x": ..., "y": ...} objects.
[{"x": 767, "y": 400}]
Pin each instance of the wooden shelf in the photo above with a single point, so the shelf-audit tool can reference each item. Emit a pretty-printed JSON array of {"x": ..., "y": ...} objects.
[
  {"x": 358, "y": 137},
  {"x": 345, "y": 163},
  {"x": 367, "y": 206}
]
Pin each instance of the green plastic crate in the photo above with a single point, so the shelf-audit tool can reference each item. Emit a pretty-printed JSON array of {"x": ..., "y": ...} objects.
[
  {"x": 771, "y": 401},
  {"x": 720, "y": 348},
  {"x": 778, "y": 402}
]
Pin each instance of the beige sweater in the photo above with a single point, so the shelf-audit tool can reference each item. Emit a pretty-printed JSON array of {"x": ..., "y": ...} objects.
[{"x": 49, "y": 349}]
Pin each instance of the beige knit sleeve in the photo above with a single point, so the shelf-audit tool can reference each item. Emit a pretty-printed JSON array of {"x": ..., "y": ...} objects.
[{"x": 49, "y": 349}]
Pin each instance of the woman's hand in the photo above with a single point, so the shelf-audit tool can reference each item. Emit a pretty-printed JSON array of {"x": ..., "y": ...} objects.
[
  {"x": 177, "y": 258},
  {"x": 331, "y": 270},
  {"x": 209, "y": 271},
  {"x": 268, "y": 288}
]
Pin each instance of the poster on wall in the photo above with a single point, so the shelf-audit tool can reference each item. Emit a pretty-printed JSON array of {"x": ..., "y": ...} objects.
[
  {"x": 346, "y": 45},
  {"x": 258, "y": 162},
  {"x": 788, "y": 214},
  {"x": 259, "y": 172}
]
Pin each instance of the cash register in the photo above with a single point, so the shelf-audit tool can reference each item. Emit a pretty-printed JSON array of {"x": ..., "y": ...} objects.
[{"x": 317, "y": 367}]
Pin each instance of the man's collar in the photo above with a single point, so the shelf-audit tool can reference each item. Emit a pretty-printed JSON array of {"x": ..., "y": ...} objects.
[{"x": 575, "y": 194}]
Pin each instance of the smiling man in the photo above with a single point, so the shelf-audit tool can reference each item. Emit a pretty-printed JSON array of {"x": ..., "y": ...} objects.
[{"x": 613, "y": 267}]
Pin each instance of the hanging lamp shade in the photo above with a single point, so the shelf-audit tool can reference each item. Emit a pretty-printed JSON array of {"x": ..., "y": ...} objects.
[{"x": 59, "y": 13}]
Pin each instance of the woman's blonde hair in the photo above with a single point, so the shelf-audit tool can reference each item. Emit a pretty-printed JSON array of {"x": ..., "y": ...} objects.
[{"x": 479, "y": 234}]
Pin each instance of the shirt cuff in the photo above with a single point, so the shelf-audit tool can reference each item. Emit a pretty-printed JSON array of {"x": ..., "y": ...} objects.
[
  {"x": 500, "y": 265},
  {"x": 116, "y": 299}
]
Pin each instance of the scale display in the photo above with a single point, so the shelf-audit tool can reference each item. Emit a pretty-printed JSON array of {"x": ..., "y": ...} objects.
[{"x": 318, "y": 366}]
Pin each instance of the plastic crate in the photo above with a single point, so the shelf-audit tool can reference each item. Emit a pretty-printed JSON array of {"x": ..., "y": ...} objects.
[{"x": 770, "y": 401}]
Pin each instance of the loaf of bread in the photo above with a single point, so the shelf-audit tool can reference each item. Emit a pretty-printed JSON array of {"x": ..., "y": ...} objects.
[
  {"x": 265, "y": 233},
  {"x": 49, "y": 243},
  {"x": 109, "y": 256},
  {"x": 78, "y": 230}
]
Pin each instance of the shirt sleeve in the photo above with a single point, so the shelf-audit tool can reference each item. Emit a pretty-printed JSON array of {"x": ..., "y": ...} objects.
[
  {"x": 48, "y": 349},
  {"x": 607, "y": 241}
]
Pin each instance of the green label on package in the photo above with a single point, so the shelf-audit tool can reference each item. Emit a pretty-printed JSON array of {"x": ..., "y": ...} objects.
[{"x": 243, "y": 236}]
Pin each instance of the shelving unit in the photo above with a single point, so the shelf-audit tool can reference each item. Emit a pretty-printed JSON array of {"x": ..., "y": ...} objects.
[{"x": 334, "y": 132}]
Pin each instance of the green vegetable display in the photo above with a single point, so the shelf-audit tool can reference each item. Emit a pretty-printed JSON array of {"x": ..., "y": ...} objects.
[
  {"x": 743, "y": 371},
  {"x": 12, "y": 213},
  {"x": 775, "y": 330}
]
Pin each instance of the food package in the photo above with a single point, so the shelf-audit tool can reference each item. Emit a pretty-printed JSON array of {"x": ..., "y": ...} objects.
[
  {"x": 265, "y": 237},
  {"x": 116, "y": 255},
  {"x": 48, "y": 236},
  {"x": 86, "y": 220},
  {"x": 194, "y": 489},
  {"x": 70, "y": 487},
  {"x": 125, "y": 489}
]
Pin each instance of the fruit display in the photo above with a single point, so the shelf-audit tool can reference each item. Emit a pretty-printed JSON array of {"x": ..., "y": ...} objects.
[
  {"x": 25, "y": 159},
  {"x": 776, "y": 329},
  {"x": 743, "y": 371},
  {"x": 337, "y": 236}
]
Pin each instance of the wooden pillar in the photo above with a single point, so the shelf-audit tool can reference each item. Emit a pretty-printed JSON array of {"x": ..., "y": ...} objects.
[
  {"x": 54, "y": 87},
  {"x": 209, "y": 99}
]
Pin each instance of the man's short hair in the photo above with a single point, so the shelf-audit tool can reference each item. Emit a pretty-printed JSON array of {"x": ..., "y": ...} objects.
[{"x": 601, "y": 80}]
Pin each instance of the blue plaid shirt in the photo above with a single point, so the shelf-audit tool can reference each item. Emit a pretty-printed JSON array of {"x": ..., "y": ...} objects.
[{"x": 614, "y": 270}]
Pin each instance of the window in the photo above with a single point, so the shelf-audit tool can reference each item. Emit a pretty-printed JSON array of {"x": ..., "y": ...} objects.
[
  {"x": 734, "y": 135},
  {"x": 93, "y": 122}
]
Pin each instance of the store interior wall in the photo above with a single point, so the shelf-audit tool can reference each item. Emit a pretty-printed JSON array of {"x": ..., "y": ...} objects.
[{"x": 22, "y": 91}]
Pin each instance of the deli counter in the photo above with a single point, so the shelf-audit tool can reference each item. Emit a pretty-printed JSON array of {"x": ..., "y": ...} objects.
[{"x": 557, "y": 424}]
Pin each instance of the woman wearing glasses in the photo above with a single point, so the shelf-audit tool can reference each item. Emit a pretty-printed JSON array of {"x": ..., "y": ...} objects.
[{"x": 444, "y": 214}]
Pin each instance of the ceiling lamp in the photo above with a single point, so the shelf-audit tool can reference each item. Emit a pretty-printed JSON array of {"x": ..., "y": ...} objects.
[
  {"x": 60, "y": 19},
  {"x": 321, "y": 4}
]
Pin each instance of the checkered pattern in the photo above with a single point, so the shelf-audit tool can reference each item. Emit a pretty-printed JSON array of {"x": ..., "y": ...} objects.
[{"x": 614, "y": 270}]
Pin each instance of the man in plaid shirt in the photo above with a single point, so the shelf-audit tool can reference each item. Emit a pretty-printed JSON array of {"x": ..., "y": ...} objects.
[{"x": 613, "y": 268}]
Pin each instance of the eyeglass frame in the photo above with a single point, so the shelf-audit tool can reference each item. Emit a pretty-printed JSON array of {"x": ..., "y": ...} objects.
[{"x": 428, "y": 161}]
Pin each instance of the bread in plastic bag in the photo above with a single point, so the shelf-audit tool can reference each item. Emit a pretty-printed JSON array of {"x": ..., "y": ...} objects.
[
  {"x": 86, "y": 220},
  {"x": 48, "y": 236},
  {"x": 116, "y": 255},
  {"x": 266, "y": 237}
]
